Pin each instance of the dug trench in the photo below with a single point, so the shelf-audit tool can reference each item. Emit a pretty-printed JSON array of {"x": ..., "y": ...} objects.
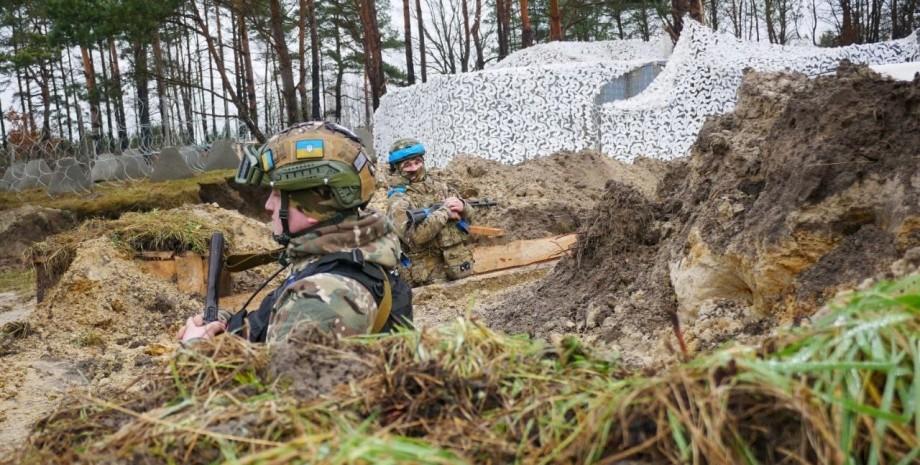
[
  {"x": 809, "y": 187},
  {"x": 102, "y": 318}
]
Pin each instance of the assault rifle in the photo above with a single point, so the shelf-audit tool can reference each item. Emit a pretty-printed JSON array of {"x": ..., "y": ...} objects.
[
  {"x": 215, "y": 263},
  {"x": 419, "y": 214}
]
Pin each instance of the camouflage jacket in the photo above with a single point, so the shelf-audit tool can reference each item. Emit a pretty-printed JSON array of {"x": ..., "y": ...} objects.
[
  {"x": 435, "y": 242},
  {"x": 334, "y": 302}
]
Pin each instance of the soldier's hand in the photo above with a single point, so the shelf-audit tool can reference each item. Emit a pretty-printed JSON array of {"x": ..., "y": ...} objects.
[
  {"x": 454, "y": 204},
  {"x": 196, "y": 329}
]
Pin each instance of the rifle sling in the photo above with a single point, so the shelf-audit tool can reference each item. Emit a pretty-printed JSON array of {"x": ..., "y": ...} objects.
[{"x": 242, "y": 262}]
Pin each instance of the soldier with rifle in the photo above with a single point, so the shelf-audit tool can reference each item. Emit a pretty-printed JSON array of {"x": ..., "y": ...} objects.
[
  {"x": 343, "y": 259},
  {"x": 429, "y": 217}
]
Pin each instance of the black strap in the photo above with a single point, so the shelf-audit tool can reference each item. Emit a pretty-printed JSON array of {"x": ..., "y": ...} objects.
[{"x": 348, "y": 264}]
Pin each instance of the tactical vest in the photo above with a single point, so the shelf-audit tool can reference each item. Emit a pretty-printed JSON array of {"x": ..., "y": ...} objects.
[{"x": 347, "y": 264}]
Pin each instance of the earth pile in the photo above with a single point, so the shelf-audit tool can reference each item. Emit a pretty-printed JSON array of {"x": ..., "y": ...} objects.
[{"x": 809, "y": 187}]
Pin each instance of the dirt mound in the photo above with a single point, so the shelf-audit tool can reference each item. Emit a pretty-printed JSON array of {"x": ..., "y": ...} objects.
[
  {"x": 810, "y": 186},
  {"x": 107, "y": 317},
  {"x": 23, "y": 226},
  {"x": 545, "y": 196}
]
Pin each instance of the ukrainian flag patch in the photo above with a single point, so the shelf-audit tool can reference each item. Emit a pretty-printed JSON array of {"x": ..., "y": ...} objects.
[
  {"x": 309, "y": 148},
  {"x": 268, "y": 160}
]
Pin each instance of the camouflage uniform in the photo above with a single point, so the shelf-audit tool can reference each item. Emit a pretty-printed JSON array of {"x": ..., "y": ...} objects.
[
  {"x": 321, "y": 169},
  {"x": 436, "y": 247},
  {"x": 333, "y": 302}
]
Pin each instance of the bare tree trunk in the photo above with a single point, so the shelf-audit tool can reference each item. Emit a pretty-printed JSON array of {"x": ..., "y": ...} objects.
[
  {"x": 3, "y": 130},
  {"x": 714, "y": 15},
  {"x": 81, "y": 130},
  {"x": 120, "y": 119},
  {"x": 42, "y": 81},
  {"x": 340, "y": 74},
  {"x": 421, "y": 40},
  {"x": 143, "y": 100},
  {"x": 526, "y": 28},
  {"x": 302, "y": 59},
  {"x": 90, "y": 74},
  {"x": 105, "y": 96},
  {"x": 477, "y": 40},
  {"x": 202, "y": 101},
  {"x": 239, "y": 70},
  {"x": 316, "y": 86},
  {"x": 643, "y": 21},
  {"x": 465, "y": 38},
  {"x": 66, "y": 89},
  {"x": 285, "y": 67},
  {"x": 220, "y": 48},
  {"x": 373, "y": 60},
  {"x": 678, "y": 9},
  {"x": 768, "y": 14},
  {"x": 503, "y": 15},
  {"x": 555, "y": 21},
  {"x": 161, "y": 85},
  {"x": 246, "y": 63},
  {"x": 55, "y": 97},
  {"x": 243, "y": 111},
  {"x": 407, "y": 27},
  {"x": 848, "y": 33}
]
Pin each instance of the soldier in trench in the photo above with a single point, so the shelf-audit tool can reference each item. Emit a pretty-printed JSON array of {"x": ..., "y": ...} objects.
[
  {"x": 435, "y": 246},
  {"x": 343, "y": 259}
]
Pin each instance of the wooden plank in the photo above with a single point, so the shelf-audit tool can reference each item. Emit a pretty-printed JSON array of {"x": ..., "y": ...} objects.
[
  {"x": 190, "y": 273},
  {"x": 486, "y": 231},
  {"x": 521, "y": 253},
  {"x": 165, "y": 269}
]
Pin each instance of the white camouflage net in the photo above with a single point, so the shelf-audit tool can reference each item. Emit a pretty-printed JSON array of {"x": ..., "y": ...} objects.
[
  {"x": 511, "y": 114},
  {"x": 559, "y": 53},
  {"x": 702, "y": 78}
]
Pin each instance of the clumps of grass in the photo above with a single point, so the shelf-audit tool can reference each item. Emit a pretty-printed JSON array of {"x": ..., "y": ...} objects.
[
  {"x": 12, "y": 331},
  {"x": 842, "y": 391},
  {"x": 17, "y": 280},
  {"x": 157, "y": 230},
  {"x": 91, "y": 338},
  {"x": 161, "y": 230}
]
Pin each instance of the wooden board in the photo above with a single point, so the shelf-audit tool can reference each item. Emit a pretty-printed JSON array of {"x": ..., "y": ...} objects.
[
  {"x": 188, "y": 270},
  {"x": 521, "y": 253}
]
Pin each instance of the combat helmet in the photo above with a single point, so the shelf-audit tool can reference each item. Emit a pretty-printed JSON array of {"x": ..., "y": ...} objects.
[
  {"x": 402, "y": 150},
  {"x": 319, "y": 167}
]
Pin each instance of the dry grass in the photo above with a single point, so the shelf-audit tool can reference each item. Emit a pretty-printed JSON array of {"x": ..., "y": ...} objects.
[
  {"x": 131, "y": 233},
  {"x": 17, "y": 280},
  {"x": 842, "y": 391},
  {"x": 111, "y": 199}
]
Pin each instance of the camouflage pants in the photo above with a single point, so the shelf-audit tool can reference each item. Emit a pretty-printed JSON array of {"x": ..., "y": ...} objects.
[{"x": 439, "y": 265}]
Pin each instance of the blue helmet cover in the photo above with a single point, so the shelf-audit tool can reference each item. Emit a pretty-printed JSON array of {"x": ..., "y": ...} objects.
[{"x": 406, "y": 153}]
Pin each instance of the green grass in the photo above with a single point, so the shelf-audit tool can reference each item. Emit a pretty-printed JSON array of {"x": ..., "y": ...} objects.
[
  {"x": 841, "y": 391},
  {"x": 17, "y": 280},
  {"x": 110, "y": 199}
]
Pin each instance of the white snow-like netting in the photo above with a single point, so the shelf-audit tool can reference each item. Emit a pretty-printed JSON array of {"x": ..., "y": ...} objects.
[
  {"x": 702, "y": 78},
  {"x": 508, "y": 115},
  {"x": 586, "y": 52},
  {"x": 516, "y": 113}
]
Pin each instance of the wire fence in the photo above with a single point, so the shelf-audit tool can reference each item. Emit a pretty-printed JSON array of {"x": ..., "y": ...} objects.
[{"x": 58, "y": 166}]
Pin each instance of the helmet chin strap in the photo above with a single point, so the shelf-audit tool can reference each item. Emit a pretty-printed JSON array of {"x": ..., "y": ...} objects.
[{"x": 285, "y": 237}]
